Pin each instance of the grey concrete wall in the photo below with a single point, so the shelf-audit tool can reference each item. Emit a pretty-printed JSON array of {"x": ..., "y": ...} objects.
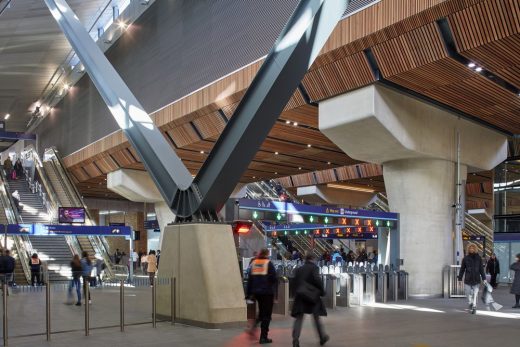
[{"x": 175, "y": 47}]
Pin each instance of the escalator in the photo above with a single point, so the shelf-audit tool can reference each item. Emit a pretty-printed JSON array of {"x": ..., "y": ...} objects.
[
  {"x": 66, "y": 194},
  {"x": 472, "y": 226},
  {"x": 17, "y": 245},
  {"x": 271, "y": 191}
]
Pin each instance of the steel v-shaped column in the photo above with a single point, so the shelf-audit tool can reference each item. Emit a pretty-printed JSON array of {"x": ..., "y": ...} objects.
[{"x": 289, "y": 59}]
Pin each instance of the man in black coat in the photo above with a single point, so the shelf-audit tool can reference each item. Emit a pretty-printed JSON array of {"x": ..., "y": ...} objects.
[
  {"x": 262, "y": 285},
  {"x": 9, "y": 265},
  {"x": 472, "y": 269},
  {"x": 493, "y": 268},
  {"x": 308, "y": 290}
]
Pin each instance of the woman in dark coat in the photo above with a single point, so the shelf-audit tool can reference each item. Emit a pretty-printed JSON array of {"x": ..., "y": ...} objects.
[
  {"x": 515, "y": 288},
  {"x": 493, "y": 268},
  {"x": 308, "y": 290}
]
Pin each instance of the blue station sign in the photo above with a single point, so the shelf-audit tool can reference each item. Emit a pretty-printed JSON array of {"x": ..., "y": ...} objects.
[{"x": 57, "y": 229}]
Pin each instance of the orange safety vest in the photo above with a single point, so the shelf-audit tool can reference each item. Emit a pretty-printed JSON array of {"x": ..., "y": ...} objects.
[{"x": 260, "y": 267}]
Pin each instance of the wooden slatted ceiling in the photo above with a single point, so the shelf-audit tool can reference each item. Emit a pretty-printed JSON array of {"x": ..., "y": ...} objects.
[
  {"x": 377, "y": 23},
  {"x": 489, "y": 35},
  {"x": 338, "y": 77}
]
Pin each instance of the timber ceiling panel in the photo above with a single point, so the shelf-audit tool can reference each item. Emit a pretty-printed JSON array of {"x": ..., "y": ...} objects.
[
  {"x": 489, "y": 34},
  {"x": 338, "y": 77}
]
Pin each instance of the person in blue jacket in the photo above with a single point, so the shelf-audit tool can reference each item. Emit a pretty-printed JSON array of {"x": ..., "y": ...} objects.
[{"x": 262, "y": 286}]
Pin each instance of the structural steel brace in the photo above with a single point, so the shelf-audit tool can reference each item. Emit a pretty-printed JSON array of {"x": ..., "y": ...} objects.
[{"x": 289, "y": 59}]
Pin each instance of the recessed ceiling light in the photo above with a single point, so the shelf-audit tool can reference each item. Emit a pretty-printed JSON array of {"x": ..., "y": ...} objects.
[
  {"x": 122, "y": 25},
  {"x": 295, "y": 124},
  {"x": 7, "y": 116},
  {"x": 276, "y": 173},
  {"x": 328, "y": 163},
  {"x": 201, "y": 152},
  {"x": 287, "y": 122},
  {"x": 309, "y": 145},
  {"x": 66, "y": 86},
  {"x": 471, "y": 65},
  {"x": 276, "y": 153},
  {"x": 254, "y": 176},
  {"x": 478, "y": 69},
  {"x": 300, "y": 168}
]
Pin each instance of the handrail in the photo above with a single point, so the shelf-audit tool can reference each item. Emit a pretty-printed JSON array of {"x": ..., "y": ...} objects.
[
  {"x": 98, "y": 244},
  {"x": 13, "y": 217}
]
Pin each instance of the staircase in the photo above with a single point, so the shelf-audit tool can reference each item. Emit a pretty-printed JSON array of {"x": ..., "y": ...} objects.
[
  {"x": 32, "y": 209},
  {"x": 54, "y": 250}
]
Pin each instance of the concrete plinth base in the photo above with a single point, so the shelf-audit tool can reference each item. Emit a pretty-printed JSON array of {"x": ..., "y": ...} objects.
[{"x": 202, "y": 258}]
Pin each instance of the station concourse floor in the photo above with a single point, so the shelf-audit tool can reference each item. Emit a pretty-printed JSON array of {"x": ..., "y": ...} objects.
[{"x": 415, "y": 323}]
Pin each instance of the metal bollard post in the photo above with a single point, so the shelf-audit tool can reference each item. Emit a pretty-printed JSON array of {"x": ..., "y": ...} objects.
[
  {"x": 122, "y": 305},
  {"x": 172, "y": 299},
  {"x": 154, "y": 303},
  {"x": 48, "y": 309},
  {"x": 86, "y": 290},
  {"x": 4, "y": 297}
]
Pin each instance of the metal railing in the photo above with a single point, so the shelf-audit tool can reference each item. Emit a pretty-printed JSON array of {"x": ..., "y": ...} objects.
[
  {"x": 98, "y": 243},
  {"x": 452, "y": 287},
  {"x": 13, "y": 217}
]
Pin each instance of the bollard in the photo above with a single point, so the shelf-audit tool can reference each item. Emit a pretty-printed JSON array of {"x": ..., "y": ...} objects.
[
  {"x": 48, "y": 309},
  {"x": 172, "y": 299},
  {"x": 122, "y": 305},
  {"x": 87, "y": 306},
  {"x": 282, "y": 305},
  {"x": 4, "y": 297},
  {"x": 154, "y": 303}
]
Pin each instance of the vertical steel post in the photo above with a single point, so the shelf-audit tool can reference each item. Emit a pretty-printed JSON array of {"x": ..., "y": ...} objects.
[
  {"x": 4, "y": 297},
  {"x": 48, "y": 308},
  {"x": 154, "y": 303},
  {"x": 86, "y": 290},
  {"x": 122, "y": 305},
  {"x": 172, "y": 299}
]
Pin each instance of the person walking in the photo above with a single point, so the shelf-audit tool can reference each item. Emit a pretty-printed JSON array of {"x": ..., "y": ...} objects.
[
  {"x": 9, "y": 265},
  {"x": 515, "y": 288},
  {"x": 77, "y": 272},
  {"x": 262, "y": 286},
  {"x": 144, "y": 263},
  {"x": 472, "y": 269},
  {"x": 493, "y": 269},
  {"x": 86, "y": 272},
  {"x": 18, "y": 167},
  {"x": 8, "y": 167},
  {"x": 308, "y": 292},
  {"x": 36, "y": 266},
  {"x": 152, "y": 266}
]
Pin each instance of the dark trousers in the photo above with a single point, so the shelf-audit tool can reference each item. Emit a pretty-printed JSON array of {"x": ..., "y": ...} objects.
[
  {"x": 265, "y": 311},
  {"x": 493, "y": 281},
  {"x": 298, "y": 323},
  {"x": 35, "y": 277}
]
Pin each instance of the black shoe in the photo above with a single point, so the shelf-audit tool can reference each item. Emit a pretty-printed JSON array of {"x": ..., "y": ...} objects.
[
  {"x": 473, "y": 310},
  {"x": 78, "y": 304},
  {"x": 296, "y": 343},
  {"x": 516, "y": 306},
  {"x": 324, "y": 340},
  {"x": 265, "y": 340}
]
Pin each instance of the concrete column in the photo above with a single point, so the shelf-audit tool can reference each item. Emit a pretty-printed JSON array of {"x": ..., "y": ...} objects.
[
  {"x": 422, "y": 192},
  {"x": 416, "y": 144}
]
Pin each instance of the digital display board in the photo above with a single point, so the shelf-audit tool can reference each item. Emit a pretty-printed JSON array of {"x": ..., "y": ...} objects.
[{"x": 71, "y": 215}]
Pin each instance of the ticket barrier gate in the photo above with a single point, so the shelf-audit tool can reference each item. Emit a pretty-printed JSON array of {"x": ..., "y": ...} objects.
[
  {"x": 403, "y": 285},
  {"x": 393, "y": 285},
  {"x": 282, "y": 304},
  {"x": 343, "y": 291},
  {"x": 381, "y": 286},
  {"x": 330, "y": 285}
]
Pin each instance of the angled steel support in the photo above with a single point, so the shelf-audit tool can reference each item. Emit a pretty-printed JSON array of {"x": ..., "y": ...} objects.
[{"x": 291, "y": 56}]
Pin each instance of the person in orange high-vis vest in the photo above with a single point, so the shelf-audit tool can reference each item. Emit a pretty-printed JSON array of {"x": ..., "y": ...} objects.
[
  {"x": 35, "y": 265},
  {"x": 262, "y": 286}
]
